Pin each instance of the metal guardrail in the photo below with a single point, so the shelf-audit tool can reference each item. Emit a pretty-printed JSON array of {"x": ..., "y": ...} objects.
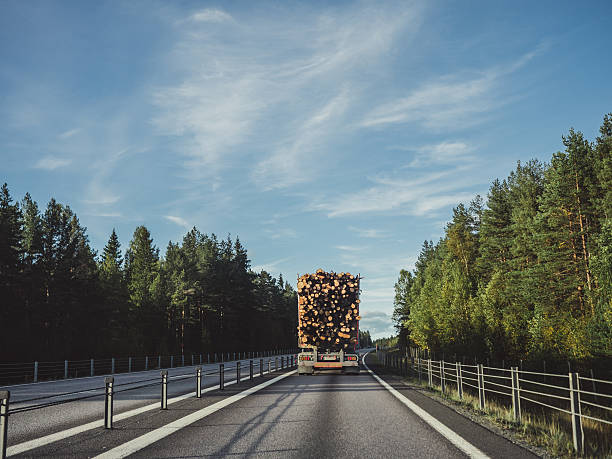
[
  {"x": 563, "y": 391},
  {"x": 26, "y": 372},
  {"x": 108, "y": 391}
]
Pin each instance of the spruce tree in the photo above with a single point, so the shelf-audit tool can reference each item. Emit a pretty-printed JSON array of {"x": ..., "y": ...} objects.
[{"x": 10, "y": 275}]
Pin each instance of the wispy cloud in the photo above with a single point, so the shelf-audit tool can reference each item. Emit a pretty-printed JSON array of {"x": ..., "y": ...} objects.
[
  {"x": 449, "y": 102},
  {"x": 272, "y": 266},
  {"x": 349, "y": 248},
  {"x": 51, "y": 163},
  {"x": 67, "y": 134},
  {"x": 103, "y": 197},
  {"x": 210, "y": 15},
  {"x": 369, "y": 232},
  {"x": 279, "y": 169},
  {"x": 178, "y": 220},
  {"x": 281, "y": 233},
  {"x": 285, "y": 91},
  {"x": 448, "y": 152},
  {"x": 402, "y": 195}
]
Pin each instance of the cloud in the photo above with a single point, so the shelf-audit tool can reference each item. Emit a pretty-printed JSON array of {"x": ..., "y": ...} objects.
[
  {"x": 281, "y": 233},
  {"x": 369, "y": 233},
  {"x": 349, "y": 248},
  {"x": 449, "y": 102},
  {"x": 105, "y": 215},
  {"x": 68, "y": 134},
  {"x": 271, "y": 267},
  {"x": 281, "y": 88},
  {"x": 279, "y": 169},
  {"x": 405, "y": 195},
  {"x": 103, "y": 197},
  {"x": 51, "y": 163},
  {"x": 210, "y": 15},
  {"x": 378, "y": 323},
  {"x": 178, "y": 220},
  {"x": 448, "y": 152}
]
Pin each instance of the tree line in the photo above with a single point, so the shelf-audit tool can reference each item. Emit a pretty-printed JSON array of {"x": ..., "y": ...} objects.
[
  {"x": 528, "y": 275},
  {"x": 365, "y": 340},
  {"x": 61, "y": 300}
]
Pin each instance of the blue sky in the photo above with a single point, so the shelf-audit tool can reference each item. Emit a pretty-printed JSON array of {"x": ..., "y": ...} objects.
[{"x": 337, "y": 135}]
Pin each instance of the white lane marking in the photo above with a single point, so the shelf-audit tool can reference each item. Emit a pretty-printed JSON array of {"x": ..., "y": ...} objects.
[
  {"x": 449, "y": 434},
  {"x": 42, "y": 441},
  {"x": 147, "y": 439}
]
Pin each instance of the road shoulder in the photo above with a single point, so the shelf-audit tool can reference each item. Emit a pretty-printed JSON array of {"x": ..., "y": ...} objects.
[{"x": 480, "y": 432}]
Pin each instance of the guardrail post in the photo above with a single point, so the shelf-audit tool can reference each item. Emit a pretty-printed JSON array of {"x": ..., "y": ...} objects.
[
  {"x": 275, "y": 363},
  {"x": 269, "y": 365},
  {"x": 91, "y": 366},
  {"x": 577, "y": 431},
  {"x": 221, "y": 376},
  {"x": 5, "y": 396},
  {"x": 429, "y": 373},
  {"x": 164, "y": 390},
  {"x": 108, "y": 402},
  {"x": 516, "y": 397},
  {"x": 146, "y": 362},
  {"x": 459, "y": 380},
  {"x": 481, "y": 388},
  {"x": 65, "y": 369},
  {"x": 237, "y": 372},
  {"x": 112, "y": 365},
  {"x": 251, "y": 369},
  {"x": 36, "y": 371},
  {"x": 260, "y": 367},
  {"x": 192, "y": 361},
  {"x": 129, "y": 364},
  {"x": 199, "y": 382},
  {"x": 171, "y": 361},
  {"x": 442, "y": 377},
  {"x": 159, "y": 361}
]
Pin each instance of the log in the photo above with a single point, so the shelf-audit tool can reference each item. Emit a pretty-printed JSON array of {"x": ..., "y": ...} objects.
[{"x": 328, "y": 309}]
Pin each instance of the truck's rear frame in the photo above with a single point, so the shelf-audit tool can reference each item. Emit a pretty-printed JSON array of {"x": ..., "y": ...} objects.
[{"x": 311, "y": 360}]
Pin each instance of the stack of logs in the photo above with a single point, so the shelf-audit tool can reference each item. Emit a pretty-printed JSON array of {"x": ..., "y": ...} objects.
[{"x": 328, "y": 310}]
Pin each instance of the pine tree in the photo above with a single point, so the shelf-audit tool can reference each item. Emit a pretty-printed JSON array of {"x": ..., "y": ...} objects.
[
  {"x": 114, "y": 294},
  {"x": 10, "y": 269},
  {"x": 142, "y": 267}
]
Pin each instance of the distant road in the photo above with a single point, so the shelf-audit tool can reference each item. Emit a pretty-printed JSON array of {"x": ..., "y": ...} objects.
[{"x": 325, "y": 415}]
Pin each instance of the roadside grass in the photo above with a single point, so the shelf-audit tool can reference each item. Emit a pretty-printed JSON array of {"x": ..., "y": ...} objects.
[{"x": 551, "y": 431}]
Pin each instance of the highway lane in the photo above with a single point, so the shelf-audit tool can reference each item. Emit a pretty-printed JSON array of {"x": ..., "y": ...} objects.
[
  {"x": 325, "y": 415},
  {"x": 37, "y": 423}
]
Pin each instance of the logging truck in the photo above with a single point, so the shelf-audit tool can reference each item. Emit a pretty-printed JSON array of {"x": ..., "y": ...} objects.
[{"x": 328, "y": 322}]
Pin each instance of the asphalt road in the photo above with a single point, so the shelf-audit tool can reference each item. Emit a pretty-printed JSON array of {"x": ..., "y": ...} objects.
[
  {"x": 325, "y": 415},
  {"x": 25, "y": 426}
]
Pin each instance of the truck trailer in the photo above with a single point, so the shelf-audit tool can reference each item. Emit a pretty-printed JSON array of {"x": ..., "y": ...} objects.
[{"x": 328, "y": 322}]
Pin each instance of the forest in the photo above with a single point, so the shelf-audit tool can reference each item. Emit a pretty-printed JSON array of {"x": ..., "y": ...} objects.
[
  {"x": 62, "y": 300},
  {"x": 526, "y": 274}
]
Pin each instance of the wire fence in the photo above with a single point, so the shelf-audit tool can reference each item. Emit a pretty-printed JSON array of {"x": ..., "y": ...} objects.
[
  {"x": 28, "y": 372},
  {"x": 262, "y": 365},
  {"x": 578, "y": 396}
]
